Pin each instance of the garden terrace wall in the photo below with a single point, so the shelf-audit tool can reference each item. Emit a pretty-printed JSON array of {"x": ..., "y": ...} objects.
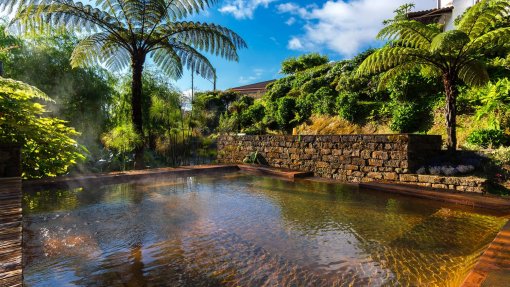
[
  {"x": 352, "y": 158},
  {"x": 456, "y": 183}
]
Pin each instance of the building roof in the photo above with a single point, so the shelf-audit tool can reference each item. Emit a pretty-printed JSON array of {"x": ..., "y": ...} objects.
[
  {"x": 261, "y": 86},
  {"x": 431, "y": 15}
]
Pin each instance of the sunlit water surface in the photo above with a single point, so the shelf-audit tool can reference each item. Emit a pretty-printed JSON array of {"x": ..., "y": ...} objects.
[{"x": 244, "y": 230}]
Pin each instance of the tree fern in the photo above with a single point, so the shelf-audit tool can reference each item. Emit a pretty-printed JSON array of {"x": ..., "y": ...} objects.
[
  {"x": 123, "y": 33},
  {"x": 455, "y": 56}
]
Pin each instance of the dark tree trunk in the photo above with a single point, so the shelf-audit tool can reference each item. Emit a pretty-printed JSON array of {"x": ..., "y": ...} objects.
[
  {"x": 450, "y": 88},
  {"x": 137, "y": 63}
]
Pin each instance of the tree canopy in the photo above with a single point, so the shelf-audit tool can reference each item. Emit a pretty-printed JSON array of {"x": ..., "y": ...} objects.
[
  {"x": 124, "y": 33},
  {"x": 455, "y": 56},
  {"x": 303, "y": 62}
]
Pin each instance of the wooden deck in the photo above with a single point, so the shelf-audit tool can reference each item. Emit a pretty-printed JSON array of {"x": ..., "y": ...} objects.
[{"x": 10, "y": 232}]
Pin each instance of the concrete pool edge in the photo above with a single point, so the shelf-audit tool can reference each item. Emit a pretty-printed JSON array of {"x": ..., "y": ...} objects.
[
  {"x": 489, "y": 202},
  {"x": 112, "y": 177},
  {"x": 493, "y": 266}
]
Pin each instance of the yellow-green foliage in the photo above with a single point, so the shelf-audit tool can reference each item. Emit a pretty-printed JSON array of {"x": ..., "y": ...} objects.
[
  {"x": 48, "y": 145},
  {"x": 122, "y": 138},
  {"x": 324, "y": 125}
]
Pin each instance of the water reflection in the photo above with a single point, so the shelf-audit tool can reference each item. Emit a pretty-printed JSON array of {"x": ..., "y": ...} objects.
[{"x": 241, "y": 230}]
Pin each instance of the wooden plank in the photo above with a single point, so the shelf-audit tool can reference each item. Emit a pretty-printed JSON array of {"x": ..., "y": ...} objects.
[{"x": 11, "y": 259}]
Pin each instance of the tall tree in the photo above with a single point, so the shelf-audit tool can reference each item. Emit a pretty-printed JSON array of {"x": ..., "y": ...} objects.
[
  {"x": 123, "y": 33},
  {"x": 455, "y": 56}
]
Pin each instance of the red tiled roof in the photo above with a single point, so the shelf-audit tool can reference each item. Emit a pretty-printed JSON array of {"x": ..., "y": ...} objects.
[{"x": 253, "y": 87}]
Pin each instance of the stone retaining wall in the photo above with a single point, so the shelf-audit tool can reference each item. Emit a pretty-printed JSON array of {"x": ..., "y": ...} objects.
[
  {"x": 457, "y": 183},
  {"x": 345, "y": 157},
  {"x": 350, "y": 158}
]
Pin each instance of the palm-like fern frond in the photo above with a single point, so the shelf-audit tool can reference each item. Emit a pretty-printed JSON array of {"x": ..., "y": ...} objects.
[
  {"x": 409, "y": 33},
  {"x": 490, "y": 41},
  {"x": 483, "y": 16},
  {"x": 390, "y": 57},
  {"x": 122, "y": 29},
  {"x": 474, "y": 73}
]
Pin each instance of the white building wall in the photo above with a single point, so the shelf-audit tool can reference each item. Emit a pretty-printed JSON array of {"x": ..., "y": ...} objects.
[{"x": 459, "y": 6}]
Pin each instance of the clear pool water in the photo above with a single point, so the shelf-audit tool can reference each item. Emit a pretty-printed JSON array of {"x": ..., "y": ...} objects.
[{"x": 245, "y": 230}]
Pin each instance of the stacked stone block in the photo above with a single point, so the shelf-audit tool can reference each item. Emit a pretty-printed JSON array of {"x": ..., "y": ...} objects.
[
  {"x": 353, "y": 158},
  {"x": 349, "y": 158}
]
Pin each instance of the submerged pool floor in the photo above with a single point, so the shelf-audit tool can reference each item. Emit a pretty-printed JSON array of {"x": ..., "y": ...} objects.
[{"x": 245, "y": 230}]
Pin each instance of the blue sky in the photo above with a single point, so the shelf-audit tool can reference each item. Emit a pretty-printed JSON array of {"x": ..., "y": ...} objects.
[{"x": 277, "y": 29}]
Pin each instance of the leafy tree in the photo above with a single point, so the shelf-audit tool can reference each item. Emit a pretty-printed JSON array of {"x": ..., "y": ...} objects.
[
  {"x": 81, "y": 96},
  {"x": 209, "y": 106},
  {"x": 455, "y": 56},
  {"x": 48, "y": 144},
  {"x": 286, "y": 113},
  {"x": 303, "y": 62},
  {"x": 125, "y": 33}
]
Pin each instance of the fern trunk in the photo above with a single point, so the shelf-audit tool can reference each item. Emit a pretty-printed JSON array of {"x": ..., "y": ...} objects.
[
  {"x": 450, "y": 87},
  {"x": 137, "y": 63}
]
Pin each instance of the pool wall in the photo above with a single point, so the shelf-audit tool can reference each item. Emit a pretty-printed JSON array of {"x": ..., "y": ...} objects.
[{"x": 349, "y": 158}]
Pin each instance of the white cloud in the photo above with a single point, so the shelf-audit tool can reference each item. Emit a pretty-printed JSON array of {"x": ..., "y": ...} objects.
[
  {"x": 295, "y": 44},
  {"x": 290, "y": 21},
  {"x": 256, "y": 74},
  {"x": 343, "y": 27},
  {"x": 243, "y": 9}
]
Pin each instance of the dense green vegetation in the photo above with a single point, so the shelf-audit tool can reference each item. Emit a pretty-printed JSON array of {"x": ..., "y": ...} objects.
[
  {"x": 48, "y": 145},
  {"x": 420, "y": 71},
  {"x": 406, "y": 86},
  {"x": 128, "y": 33},
  {"x": 97, "y": 104}
]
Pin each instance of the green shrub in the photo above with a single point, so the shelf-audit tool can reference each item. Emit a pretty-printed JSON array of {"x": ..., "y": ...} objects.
[
  {"x": 486, "y": 138},
  {"x": 253, "y": 114},
  {"x": 286, "y": 113},
  {"x": 303, "y": 62},
  {"x": 48, "y": 145},
  {"x": 313, "y": 85},
  {"x": 405, "y": 118},
  {"x": 347, "y": 106},
  {"x": 324, "y": 101},
  {"x": 501, "y": 156},
  {"x": 279, "y": 88}
]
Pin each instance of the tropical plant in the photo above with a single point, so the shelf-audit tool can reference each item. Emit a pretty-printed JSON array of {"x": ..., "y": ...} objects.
[
  {"x": 485, "y": 138},
  {"x": 494, "y": 101},
  {"x": 303, "y": 62},
  {"x": 123, "y": 33},
  {"x": 48, "y": 144},
  {"x": 81, "y": 96},
  {"x": 455, "y": 56},
  {"x": 122, "y": 139}
]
